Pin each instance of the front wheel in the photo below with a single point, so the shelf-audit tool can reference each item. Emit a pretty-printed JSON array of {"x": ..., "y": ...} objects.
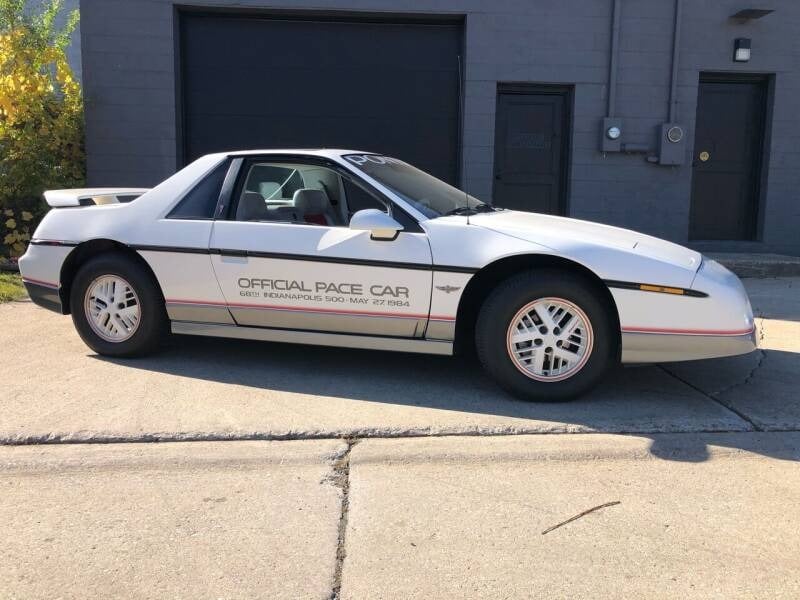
[
  {"x": 545, "y": 335},
  {"x": 117, "y": 308}
]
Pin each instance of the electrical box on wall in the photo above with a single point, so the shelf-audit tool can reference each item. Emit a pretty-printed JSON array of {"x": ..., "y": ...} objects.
[
  {"x": 611, "y": 135},
  {"x": 672, "y": 144}
]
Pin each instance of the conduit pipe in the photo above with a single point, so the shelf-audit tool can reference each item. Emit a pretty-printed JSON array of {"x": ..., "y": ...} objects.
[
  {"x": 676, "y": 44},
  {"x": 612, "y": 67}
]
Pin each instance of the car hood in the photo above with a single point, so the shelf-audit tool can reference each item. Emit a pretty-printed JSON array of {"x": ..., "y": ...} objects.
[{"x": 573, "y": 236}]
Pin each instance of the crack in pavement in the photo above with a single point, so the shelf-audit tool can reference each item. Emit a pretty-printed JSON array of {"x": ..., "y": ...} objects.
[
  {"x": 762, "y": 356},
  {"x": 340, "y": 478}
]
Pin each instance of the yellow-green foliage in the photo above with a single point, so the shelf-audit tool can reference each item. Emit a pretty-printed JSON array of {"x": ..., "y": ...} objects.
[
  {"x": 41, "y": 117},
  {"x": 11, "y": 287}
]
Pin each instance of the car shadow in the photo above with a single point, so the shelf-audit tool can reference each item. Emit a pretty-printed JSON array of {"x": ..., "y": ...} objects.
[{"x": 642, "y": 401}]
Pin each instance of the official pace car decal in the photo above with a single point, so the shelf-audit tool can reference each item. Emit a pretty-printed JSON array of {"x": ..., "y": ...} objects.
[{"x": 358, "y": 294}]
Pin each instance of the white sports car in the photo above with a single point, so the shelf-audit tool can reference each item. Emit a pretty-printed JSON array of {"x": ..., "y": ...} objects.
[{"x": 359, "y": 250}]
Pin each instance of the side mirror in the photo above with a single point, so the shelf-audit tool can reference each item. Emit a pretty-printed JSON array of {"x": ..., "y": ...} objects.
[{"x": 381, "y": 225}]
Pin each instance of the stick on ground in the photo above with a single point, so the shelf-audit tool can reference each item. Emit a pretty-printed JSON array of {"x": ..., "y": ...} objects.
[{"x": 582, "y": 514}]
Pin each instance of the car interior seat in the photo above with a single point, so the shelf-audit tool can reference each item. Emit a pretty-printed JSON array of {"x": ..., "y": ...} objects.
[
  {"x": 313, "y": 206},
  {"x": 252, "y": 207}
]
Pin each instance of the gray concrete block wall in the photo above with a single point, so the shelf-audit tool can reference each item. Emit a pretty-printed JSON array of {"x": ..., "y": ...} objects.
[{"x": 129, "y": 62}]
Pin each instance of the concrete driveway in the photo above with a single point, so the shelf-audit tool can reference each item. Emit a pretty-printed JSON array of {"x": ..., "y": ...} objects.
[
  {"x": 700, "y": 457},
  {"x": 56, "y": 389}
]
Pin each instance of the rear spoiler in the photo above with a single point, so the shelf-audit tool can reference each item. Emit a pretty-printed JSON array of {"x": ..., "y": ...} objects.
[{"x": 92, "y": 196}]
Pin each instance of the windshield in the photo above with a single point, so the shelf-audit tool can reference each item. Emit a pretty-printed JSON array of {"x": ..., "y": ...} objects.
[{"x": 430, "y": 196}]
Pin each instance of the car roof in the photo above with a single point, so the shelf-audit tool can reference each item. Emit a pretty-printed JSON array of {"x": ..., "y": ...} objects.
[{"x": 325, "y": 152}]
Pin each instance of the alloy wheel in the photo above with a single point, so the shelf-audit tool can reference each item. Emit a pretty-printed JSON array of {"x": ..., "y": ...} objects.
[
  {"x": 112, "y": 308},
  {"x": 550, "y": 339}
]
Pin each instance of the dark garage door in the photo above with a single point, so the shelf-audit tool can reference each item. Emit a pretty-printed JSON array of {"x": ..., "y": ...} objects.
[{"x": 256, "y": 82}]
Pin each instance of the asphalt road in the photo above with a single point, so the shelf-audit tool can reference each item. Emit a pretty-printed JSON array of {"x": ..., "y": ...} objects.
[{"x": 281, "y": 489}]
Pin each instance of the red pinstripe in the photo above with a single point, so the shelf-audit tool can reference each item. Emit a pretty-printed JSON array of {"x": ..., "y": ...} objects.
[
  {"x": 203, "y": 302},
  {"x": 721, "y": 332},
  {"x": 363, "y": 313},
  {"x": 55, "y": 286}
]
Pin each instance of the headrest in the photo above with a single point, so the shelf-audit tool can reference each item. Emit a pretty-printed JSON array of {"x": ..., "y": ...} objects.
[
  {"x": 251, "y": 207},
  {"x": 268, "y": 188},
  {"x": 308, "y": 200}
]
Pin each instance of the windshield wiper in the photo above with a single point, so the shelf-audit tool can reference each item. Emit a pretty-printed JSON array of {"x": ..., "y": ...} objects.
[
  {"x": 460, "y": 210},
  {"x": 470, "y": 210}
]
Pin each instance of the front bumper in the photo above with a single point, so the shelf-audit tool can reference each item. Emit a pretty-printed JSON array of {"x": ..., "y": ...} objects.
[
  {"x": 717, "y": 325},
  {"x": 649, "y": 347}
]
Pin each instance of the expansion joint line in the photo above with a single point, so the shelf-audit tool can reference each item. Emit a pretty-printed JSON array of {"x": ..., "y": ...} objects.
[
  {"x": 340, "y": 478},
  {"x": 715, "y": 398}
]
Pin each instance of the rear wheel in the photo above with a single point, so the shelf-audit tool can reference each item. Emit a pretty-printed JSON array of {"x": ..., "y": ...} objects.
[
  {"x": 545, "y": 335},
  {"x": 117, "y": 307}
]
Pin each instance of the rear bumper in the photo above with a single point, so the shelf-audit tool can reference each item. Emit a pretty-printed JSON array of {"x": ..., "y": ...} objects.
[
  {"x": 44, "y": 295},
  {"x": 661, "y": 347},
  {"x": 40, "y": 268}
]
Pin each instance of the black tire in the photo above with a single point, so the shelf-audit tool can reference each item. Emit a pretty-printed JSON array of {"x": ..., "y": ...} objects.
[
  {"x": 503, "y": 305},
  {"x": 152, "y": 323}
]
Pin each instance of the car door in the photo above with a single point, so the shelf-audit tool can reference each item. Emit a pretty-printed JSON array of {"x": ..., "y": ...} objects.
[{"x": 285, "y": 257}]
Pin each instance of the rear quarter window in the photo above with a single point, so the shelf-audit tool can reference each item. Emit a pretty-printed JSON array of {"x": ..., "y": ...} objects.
[{"x": 201, "y": 201}]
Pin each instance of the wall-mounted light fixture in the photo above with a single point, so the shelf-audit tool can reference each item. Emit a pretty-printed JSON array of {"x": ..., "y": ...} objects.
[
  {"x": 751, "y": 14},
  {"x": 741, "y": 50}
]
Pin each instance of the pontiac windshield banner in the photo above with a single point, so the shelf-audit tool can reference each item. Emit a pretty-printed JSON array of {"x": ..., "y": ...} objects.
[{"x": 323, "y": 291}]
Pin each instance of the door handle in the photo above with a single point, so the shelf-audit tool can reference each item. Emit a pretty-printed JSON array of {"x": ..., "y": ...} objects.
[{"x": 228, "y": 252}]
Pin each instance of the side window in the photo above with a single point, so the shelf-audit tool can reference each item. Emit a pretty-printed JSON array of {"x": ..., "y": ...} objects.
[
  {"x": 291, "y": 193},
  {"x": 307, "y": 194},
  {"x": 201, "y": 201}
]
